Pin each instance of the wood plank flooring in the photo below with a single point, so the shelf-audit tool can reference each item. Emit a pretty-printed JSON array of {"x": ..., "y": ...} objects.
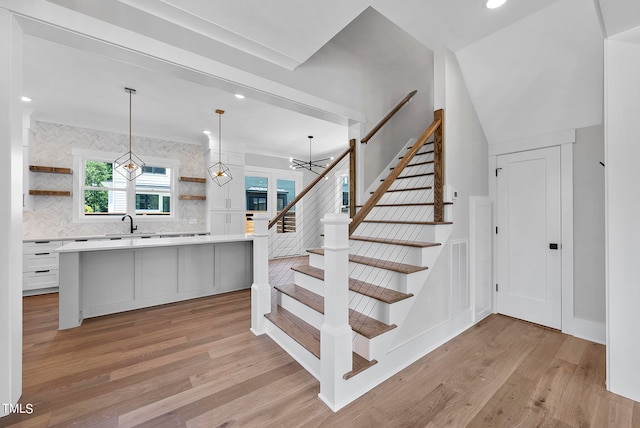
[{"x": 196, "y": 364}]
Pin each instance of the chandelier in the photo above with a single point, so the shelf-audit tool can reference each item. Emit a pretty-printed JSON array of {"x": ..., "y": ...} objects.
[
  {"x": 129, "y": 165},
  {"x": 220, "y": 172},
  {"x": 310, "y": 164}
]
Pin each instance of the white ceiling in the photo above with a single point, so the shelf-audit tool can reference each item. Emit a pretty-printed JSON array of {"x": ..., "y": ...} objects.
[{"x": 86, "y": 89}]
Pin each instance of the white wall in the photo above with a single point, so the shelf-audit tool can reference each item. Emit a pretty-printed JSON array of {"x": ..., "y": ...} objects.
[
  {"x": 540, "y": 75},
  {"x": 588, "y": 225},
  {"x": 10, "y": 215},
  {"x": 370, "y": 66},
  {"x": 52, "y": 215},
  {"x": 622, "y": 175},
  {"x": 466, "y": 166}
]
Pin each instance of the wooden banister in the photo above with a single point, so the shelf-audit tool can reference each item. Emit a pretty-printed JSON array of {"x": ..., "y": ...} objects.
[
  {"x": 385, "y": 119},
  {"x": 434, "y": 129},
  {"x": 321, "y": 176}
]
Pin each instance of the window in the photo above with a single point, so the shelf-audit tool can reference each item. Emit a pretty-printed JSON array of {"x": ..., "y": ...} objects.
[{"x": 105, "y": 193}]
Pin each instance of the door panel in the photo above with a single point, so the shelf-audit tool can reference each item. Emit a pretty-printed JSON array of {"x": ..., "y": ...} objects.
[{"x": 529, "y": 274}]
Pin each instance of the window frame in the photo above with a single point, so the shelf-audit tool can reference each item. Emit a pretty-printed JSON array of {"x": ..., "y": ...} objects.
[{"x": 80, "y": 156}]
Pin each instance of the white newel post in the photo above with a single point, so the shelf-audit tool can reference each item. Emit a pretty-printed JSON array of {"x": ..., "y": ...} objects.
[
  {"x": 260, "y": 289},
  {"x": 336, "y": 335}
]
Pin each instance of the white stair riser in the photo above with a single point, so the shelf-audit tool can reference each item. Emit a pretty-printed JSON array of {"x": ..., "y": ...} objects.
[
  {"x": 397, "y": 253},
  {"x": 373, "y": 348},
  {"x": 388, "y": 313},
  {"x": 406, "y": 183},
  {"x": 415, "y": 213},
  {"x": 411, "y": 232},
  {"x": 301, "y": 310},
  {"x": 386, "y": 278},
  {"x": 311, "y": 283},
  {"x": 407, "y": 197},
  {"x": 316, "y": 260},
  {"x": 293, "y": 348}
]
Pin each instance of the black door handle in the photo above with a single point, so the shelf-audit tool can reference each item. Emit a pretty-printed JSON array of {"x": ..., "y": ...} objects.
[{"x": 553, "y": 246}]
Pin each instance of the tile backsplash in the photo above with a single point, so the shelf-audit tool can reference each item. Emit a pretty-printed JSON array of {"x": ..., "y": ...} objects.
[{"x": 52, "y": 216}]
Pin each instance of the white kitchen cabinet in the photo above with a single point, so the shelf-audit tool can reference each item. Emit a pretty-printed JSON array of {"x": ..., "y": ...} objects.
[
  {"x": 227, "y": 203},
  {"x": 105, "y": 278},
  {"x": 227, "y": 222},
  {"x": 40, "y": 269}
]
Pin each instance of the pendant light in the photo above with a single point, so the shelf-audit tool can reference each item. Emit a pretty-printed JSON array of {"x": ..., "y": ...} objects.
[
  {"x": 310, "y": 164},
  {"x": 219, "y": 172},
  {"x": 129, "y": 165}
]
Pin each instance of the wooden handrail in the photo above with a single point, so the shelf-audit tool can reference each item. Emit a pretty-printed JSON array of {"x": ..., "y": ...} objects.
[
  {"x": 310, "y": 186},
  {"x": 395, "y": 173},
  {"x": 388, "y": 116}
]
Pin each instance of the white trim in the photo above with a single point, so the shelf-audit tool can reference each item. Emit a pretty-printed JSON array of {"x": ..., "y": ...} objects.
[
  {"x": 81, "y": 154},
  {"x": 566, "y": 195},
  {"x": 566, "y": 186},
  {"x": 590, "y": 330},
  {"x": 531, "y": 143}
]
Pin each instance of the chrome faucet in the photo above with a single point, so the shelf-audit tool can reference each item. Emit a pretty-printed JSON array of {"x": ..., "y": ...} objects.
[{"x": 130, "y": 218}]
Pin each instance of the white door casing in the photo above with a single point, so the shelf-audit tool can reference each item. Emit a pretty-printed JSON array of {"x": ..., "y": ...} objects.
[{"x": 528, "y": 224}]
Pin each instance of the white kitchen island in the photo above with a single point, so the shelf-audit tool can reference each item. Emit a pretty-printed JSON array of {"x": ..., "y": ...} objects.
[{"x": 106, "y": 277}]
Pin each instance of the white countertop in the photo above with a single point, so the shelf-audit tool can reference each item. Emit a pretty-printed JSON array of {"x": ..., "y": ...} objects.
[
  {"x": 108, "y": 236},
  {"x": 150, "y": 243}
]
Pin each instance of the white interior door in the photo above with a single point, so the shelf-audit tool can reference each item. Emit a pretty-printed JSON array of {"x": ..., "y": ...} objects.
[{"x": 528, "y": 236}]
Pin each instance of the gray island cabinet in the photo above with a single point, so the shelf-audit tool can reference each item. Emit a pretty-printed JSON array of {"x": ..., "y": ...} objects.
[{"x": 106, "y": 277}]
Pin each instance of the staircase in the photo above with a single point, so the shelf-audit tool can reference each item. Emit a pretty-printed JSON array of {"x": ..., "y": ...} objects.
[
  {"x": 389, "y": 257},
  {"x": 371, "y": 286}
]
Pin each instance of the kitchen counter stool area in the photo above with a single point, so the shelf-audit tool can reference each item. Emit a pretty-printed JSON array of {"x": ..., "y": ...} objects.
[{"x": 100, "y": 278}]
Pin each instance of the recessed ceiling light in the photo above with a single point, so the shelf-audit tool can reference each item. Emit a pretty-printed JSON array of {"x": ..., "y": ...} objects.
[
  {"x": 492, "y": 4},
  {"x": 205, "y": 132},
  {"x": 240, "y": 96},
  {"x": 26, "y": 99}
]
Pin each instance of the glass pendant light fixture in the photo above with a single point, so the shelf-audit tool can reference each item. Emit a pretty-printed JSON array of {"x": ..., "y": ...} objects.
[
  {"x": 219, "y": 172},
  {"x": 129, "y": 165},
  {"x": 310, "y": 164}
]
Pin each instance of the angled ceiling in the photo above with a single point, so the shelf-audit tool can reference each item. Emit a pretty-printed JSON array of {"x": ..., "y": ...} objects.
[{"x": 511, "y": 63}]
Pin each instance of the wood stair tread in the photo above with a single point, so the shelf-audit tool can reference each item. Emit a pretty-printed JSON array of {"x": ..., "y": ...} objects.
[
  {"x": 360, "y": 323},
  {"x": 382, "y": 264},
  {"x": 428, "y": 152},
  {"x": 309, "y": 337},
  {"x": 414, "y": 164},
  {"x": 408, "y": 222},
  {"x": 382, "y": 294},
  {"x": 413, "y": 204},
  {"x": 408, "y": 189},
  {"x": 299, "y": 330},
  {"x": 415, "y": 244},
  {"x": 426, "y": 174}
]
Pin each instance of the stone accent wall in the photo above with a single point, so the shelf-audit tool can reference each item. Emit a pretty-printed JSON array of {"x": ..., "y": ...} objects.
[{"x": 52, "y": 216}]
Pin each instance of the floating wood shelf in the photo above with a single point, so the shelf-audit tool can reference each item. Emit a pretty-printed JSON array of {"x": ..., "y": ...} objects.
[
  {"x": 193, "y": 179},
  {"x": 49, "y": 169},
  {"x": 49, "y": 193},
  {"x": 192, "y": 198}
]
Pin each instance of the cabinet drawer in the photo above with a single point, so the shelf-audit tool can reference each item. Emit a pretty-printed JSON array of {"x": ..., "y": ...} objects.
[
  {"x": 40, "y": 246},
  {"x": 39, "y": 261},
  {"x": 40, "y": 279}
]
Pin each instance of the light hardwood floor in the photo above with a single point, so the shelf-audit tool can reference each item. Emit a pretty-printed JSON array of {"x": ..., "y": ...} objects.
[{"x": 196, "y": 364}]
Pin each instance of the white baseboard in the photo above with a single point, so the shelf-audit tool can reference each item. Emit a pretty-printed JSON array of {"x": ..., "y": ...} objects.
[{"x": 590, "y": 330}]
